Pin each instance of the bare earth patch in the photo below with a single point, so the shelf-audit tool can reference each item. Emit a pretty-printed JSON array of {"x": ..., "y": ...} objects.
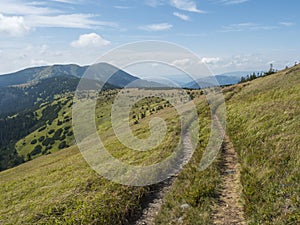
[{"x": 229, "y": 210}]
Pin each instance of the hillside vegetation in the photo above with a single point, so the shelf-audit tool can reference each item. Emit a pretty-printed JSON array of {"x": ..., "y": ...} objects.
[
  {"x": 61, "y": 188},
  {"x": 55, "y": 134},
  {"x": 264, "y": 125}
]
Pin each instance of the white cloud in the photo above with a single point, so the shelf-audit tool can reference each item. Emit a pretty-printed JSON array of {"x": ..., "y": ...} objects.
[
  {"x": 90, "y": 40},
  {"x": 287, "y": 24},
  {"x": 39, "y": 62},
  {"x": 35, "y": 3},
  {"x": 36, "y": 14},
  {"x": 16, "y": 7},
  {"x": 157, "y": 27},
  {"x": 186, "y": 5},
  {"x": 66, "y": 1},
  {"x": 181, "y": 62},
  {"x": 122, "y": 7},
  {"x": 181, "y": 16},
  {"x": 233, "y": 2},
  {"x": 247, "y": 27},
  {"x": 13, "y": 25},
  {"x": 249, "y": 62},
  {"x": 213, "y": 60},
  {"x": 67, "y": 21}
]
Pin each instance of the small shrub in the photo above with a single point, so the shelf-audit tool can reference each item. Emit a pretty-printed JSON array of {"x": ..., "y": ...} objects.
[
  {"x": 42, "y": 138},
  {"x": 62, "y": 137},
  {"x": 42, "y": 128},
  {"x": 62, "y": 145},
  {"x": 37, "y": 150},
  {"x": 67, "y": 127},
  {"x": 57, "y": 134},
  {"x": 33, "y": 142},
  {"x": 48, "y": 141},
  {"x": 49, "y": 147},
  {"x": 51, "y": 131}
]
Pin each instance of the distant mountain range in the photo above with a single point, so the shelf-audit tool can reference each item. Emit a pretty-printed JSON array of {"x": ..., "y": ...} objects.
[
  {"x": 185, "y": 81},
  {"x": 222, "y": 79},
  {"x": 119, "y": 77},
  {"x": 212, "y": 81},
  {"x": 37, "y": 73},
  {"x": 25, "y": 88}
]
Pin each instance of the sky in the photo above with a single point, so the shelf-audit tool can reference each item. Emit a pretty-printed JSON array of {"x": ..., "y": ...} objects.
[{"x": 227, "y": 35}]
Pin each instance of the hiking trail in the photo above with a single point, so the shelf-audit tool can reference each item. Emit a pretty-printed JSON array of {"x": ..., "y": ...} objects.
[
  {"x": 153, "y": 202},
  {"x": 229, "y": 210}
]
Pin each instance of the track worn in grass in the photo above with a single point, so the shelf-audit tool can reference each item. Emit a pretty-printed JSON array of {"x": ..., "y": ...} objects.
[{"x": 230, "y": 210}]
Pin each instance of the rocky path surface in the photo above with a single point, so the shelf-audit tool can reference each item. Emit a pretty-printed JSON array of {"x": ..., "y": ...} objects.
[{"x": 229, "y": 211}]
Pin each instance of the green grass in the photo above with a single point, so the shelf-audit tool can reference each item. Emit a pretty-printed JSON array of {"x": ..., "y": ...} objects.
[
  {"x": 62, "y": 189},
  {"x": 196, "y": 188},
  {"x": 63, "y": 121},
  {"x": 264, "y": 124}
]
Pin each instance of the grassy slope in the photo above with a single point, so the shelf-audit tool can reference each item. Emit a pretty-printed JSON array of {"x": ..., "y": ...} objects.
[
  {"x": 61, "y": 188},
  {"x": 264, "y": 124},
  {"x": 197, "y": 189},
  {"x": 25, "y": 146}
]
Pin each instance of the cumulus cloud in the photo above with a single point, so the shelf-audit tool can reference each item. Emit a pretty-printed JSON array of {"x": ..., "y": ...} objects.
[
  {"x": 157, "y": 27},
  {"x": 13, "y": 25},
  {"x": 213, "y": 60},
  {"x": 181, "y": 16},
  {"x": 90, "y": 40},
  {"x": 186, "y": 5}
]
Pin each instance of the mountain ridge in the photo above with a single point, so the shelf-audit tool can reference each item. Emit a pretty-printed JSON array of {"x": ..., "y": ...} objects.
[{"x": 33, "y": 74}]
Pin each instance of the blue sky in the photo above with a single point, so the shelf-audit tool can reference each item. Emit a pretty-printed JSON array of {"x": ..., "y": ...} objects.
[{"x": 228, "y": 35}]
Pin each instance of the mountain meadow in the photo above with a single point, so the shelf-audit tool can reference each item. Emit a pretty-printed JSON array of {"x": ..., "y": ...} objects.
[{"x": 44, "y": 178}]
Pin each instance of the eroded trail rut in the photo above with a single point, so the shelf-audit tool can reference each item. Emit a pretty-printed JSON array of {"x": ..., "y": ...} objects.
[
  {"x": 229, "y": 210},
  {"x": 154, "y": 200}
]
